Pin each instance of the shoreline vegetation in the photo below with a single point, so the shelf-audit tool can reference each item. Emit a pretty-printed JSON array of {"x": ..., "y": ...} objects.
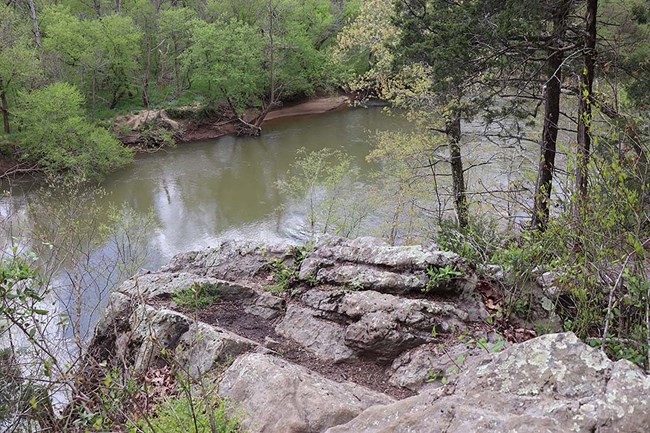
[{"x": 139, "y": 129}]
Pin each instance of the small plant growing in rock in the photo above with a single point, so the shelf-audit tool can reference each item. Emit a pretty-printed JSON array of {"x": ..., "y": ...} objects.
[
  {"x": 301, "y": 252},
  {"x": 198, "y": 296},
  {"x": 354, "y": 286},
  {"x": 458, "y": 361},
  {"x": 284, "y": 276},
  {"x": 439, "y": 276}
]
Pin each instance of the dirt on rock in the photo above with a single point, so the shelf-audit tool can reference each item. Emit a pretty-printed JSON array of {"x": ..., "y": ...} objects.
[{"x": 366, "y": 372}]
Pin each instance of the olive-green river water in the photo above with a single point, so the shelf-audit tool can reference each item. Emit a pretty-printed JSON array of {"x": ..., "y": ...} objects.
[{"x": 203, "y": 192}]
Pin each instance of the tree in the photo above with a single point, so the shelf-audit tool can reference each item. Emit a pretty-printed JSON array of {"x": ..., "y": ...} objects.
[
  {"x": 18, "y": 59},
  {"x": 227, "y": 59},
  {"x": 175, "y": 33},
  {"x": 146, "y": 17},
  {"x": 558, "y": 17},
  {"x": 57, "y": 137},
  {"x": 442, "y": 37},
  {"x": 585, "y": 117},
  {"x": 101, "y": 51}
]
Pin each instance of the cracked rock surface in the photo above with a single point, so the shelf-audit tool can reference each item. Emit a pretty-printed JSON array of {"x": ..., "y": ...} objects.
[{"x": 351, "y": 341}]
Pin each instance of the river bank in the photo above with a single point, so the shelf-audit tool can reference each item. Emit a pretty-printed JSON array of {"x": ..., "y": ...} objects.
[
  {"x": 146, "y": 131},
  {"x": 188, "y": 124}
]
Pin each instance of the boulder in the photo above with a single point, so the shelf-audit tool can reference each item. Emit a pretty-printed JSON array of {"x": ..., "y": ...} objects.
[
  {"x": 153, "y": 333},
  {"x": 203, "y": 348},
  {"x": 384, "y": 325},
  {"x": 145, "y": 337},
  {"x": 267, "y": 306},
  {"x": 272, "y": 396},
  {"x": 428, "y": 366},
  {"x": 553, "y": 383},
  {"x": 324, "y": 338}
]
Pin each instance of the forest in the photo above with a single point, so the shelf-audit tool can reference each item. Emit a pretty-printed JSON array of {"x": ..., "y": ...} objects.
[{"x": 569, "y": 79}]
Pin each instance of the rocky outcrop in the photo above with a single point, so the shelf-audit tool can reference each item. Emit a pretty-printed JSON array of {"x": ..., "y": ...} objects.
[
  {"x": 238, "y": 261},
  {"x": 432, "y": 366},
  {"x": 273, "y": 395},
  {"x": 553, "y": 383},
  {"x": 360, "y": 325},
  {"x": 146, "y": 337},
  {"x": 368, "y": 263},
  {"x": 378, "y": 324}
]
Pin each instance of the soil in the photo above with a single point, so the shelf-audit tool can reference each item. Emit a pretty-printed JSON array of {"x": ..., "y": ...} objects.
[
  {"x": 366, "y": 372},
  {"x": 316, "y": 106}
]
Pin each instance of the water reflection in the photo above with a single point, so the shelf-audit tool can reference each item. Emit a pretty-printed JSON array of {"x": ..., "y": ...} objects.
[{"x": 204, "y": 191}]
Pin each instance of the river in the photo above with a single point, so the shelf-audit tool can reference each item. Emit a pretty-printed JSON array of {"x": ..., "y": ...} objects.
[{"x": 200, "y": 193}]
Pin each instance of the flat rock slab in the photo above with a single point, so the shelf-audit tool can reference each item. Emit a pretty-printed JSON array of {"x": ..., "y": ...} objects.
[
  {"x": 230, "y": 260},
  {"x": 553, "y": 383},
  {"x": 374, "y": 251},
  {"x": 369, "y": 263},
  {"x": 322, "y": 337},
  {"x": 275, "y": 396},
  {"x": 166, "y": 284}
]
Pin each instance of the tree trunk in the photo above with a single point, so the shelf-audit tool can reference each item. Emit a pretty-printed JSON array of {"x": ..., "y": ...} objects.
[
  {"x": 5, "y": 112},
  {"x": 97, "y": 5},
  {"x": 145, "y": 79},
  {"x": 544, "y": 185},
  {"x": 457, "y": 173},
  {"x": 271, "y": 56},
  {"x": 94, "y": 94},
  {"x": 118, "y": 5},
  {"x": 541, "y": 207},
  {"x": 584, "y": 107},
  {"x": 37, "y": 32}
]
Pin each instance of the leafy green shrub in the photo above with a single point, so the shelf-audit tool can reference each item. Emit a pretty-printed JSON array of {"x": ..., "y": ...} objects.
[
  {"x": 57, "y": 136},
  {"x": 198, "y": 296},
  {"x": 181, "y": 414},
  {"x": 440, "y": 276},
  {"x": 477, "y": 242}
]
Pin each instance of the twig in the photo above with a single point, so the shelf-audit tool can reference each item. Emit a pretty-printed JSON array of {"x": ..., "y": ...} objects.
[{"x": 611, "y": 300}]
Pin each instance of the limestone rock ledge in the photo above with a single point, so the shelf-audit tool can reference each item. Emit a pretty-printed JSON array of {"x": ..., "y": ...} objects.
[{"x": 351, "y": 342}]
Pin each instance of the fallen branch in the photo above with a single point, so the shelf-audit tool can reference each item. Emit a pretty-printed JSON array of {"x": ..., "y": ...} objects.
[{"x": 21, "y": 168}]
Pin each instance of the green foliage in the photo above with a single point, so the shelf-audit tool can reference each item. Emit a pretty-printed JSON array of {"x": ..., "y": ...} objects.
[
  {"x": 182, "y": 414},
  {"x": 227, "y": 57},
  {"x": 101, "y": 51},
  {"x": 19, "y": 63},
  {"x": 440, "y": 276},
  {"x": 284, "y": 276},
  {"x": 200, "y": 295},
  {"x": 21, "y": 293},
  {"x": 57, "y": 137},
  {"x": 477, "y": 242},
  {"x": 326, "y": 181}
]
